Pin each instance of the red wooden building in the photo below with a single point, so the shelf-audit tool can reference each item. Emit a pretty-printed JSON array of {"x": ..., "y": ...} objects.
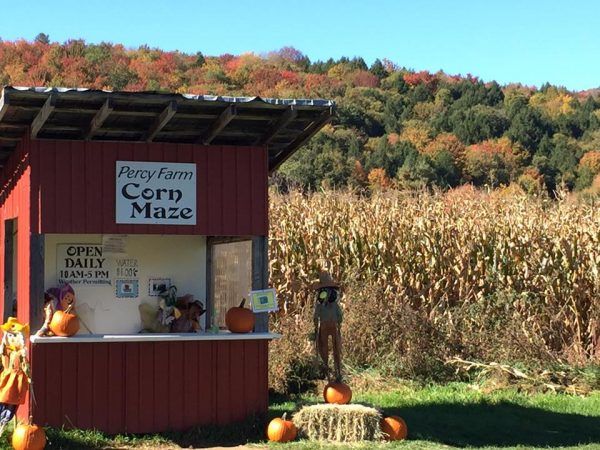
[{"x": 63, "y": 155}]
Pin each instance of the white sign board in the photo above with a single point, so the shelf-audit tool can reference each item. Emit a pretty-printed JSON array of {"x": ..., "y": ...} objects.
[
  {"x": 82, "y": 264},
  {"x": 156, "y": 193}
]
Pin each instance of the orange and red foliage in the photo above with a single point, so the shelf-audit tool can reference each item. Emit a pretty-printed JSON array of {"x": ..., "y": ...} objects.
[{"x": 591, "y": 161}]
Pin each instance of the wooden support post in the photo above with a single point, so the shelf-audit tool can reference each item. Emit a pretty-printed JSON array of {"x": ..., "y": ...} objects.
[
  {"x": 36, "y": 281},
  {"x": 308, "y": 132},
  {"x": 4, "y": 103},
  {"x": 9, "y": 230},
  {"x": 99, "y": 119},
  {"x": 260, "y": 277},
  {"x": 43, "y": 116},
  {"x": 215, "y": 128},
  {"x": 165, "y": 116},
  {"x": 208, "y": 316}
]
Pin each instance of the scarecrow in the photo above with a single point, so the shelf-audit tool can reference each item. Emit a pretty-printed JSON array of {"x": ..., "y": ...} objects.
[
  {"x": 328, "y": 323},
  {"x": 14, "y": 378},
  {"x": 190, "y": 312},
  {"x": 55, "y": 299}
]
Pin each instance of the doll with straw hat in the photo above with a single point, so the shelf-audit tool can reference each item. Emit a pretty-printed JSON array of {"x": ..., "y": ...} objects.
[
  {"x": 14, "y": 378},
  {"x": 328, "y": 322}
]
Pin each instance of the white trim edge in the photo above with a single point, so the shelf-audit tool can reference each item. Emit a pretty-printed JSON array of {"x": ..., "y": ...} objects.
[{"x": 153, "y": 337}]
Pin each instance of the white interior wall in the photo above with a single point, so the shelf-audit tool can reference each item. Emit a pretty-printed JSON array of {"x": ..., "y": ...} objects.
[{"x": 180, "y": 258}]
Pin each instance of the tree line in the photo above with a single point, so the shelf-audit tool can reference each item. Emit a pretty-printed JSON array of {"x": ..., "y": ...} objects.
[{"x": 394, "y": 127}]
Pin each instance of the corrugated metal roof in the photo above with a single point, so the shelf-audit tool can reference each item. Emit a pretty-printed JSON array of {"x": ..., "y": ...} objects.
[{"x": 282, "y": 125}]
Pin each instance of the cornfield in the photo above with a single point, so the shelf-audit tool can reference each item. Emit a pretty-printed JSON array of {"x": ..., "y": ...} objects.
[{"x": 455, "y": 261}]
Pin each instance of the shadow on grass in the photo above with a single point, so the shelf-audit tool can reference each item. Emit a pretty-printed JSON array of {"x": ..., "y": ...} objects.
[{"x": 499, "y": 424}]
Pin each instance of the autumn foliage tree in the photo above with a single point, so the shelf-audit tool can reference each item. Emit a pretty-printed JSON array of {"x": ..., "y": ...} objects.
[{"x": 409, "y": 128}]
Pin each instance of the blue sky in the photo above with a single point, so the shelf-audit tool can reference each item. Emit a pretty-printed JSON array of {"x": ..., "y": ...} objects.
[{"x": 527, "y": 41}]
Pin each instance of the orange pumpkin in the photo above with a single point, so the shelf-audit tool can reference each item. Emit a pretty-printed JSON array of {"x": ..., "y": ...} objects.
[
  {"x": 394, "y": 428},
  {"x": 64, "y": 324},
  {"x": 281, "y": 430},
  {"x": 239, "y": 319},
  {"x": 28, "y": 437},
  {"x": 337, "y": 392}
]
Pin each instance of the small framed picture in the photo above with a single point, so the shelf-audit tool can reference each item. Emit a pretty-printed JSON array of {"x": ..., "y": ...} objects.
[
  {"x": 158, "y": 285},
  {"x": 263, "y": 300},
  {"x": 127, "y": 288}
]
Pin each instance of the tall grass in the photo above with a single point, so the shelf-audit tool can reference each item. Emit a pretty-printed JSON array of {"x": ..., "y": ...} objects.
[{"x": 466, "y": 273}]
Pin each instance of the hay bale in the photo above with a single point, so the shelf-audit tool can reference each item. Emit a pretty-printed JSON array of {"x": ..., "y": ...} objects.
[{"x": 338, "y": 423}]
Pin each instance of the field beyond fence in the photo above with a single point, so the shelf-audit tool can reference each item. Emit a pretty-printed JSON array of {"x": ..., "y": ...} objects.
[{"x": 430, "y": 278}]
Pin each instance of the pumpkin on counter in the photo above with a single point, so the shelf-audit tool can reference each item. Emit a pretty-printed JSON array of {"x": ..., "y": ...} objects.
[
  {"x": 64, "y": 324},
  {"x": 28, "y": 437},
  {"x": 337, "y": 392},
  {"x": 394, "y": 428},
  {"x": 239, "y": 319},
  {"x": 281, "y": 430}
]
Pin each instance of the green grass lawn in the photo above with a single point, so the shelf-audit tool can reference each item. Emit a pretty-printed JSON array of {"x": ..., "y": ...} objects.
[{"x": 456, "y": 415}]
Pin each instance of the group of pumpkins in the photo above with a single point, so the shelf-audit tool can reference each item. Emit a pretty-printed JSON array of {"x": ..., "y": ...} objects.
[{"x": 282, "y": 430}]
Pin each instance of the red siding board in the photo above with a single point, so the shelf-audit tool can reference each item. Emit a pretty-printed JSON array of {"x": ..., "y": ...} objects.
[
  {"x": 175, "y": 387},
  {"x": 135, "y": 416},
  {"x": 68, "y": 378},
  {"x": 84, "y": 385},
  {"x": 161, "y": 384},
  {"x": 145, "y": 377},
  {"x": 115, "y": 388},
  {"x": 237, "y": 384},
  {"x": 54, "y": 392},
  {"x": 100, "y": 392},
  {"x": 191, "y": 380},
  {"x": 78, "y": 188},
  {"x": 223, "y": 383}
]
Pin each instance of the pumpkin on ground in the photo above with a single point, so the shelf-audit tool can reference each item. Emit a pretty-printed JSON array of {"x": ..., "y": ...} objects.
[
  {"x": 394, "y": 428},
  {"x": 337, "y": 392},
  {"x": 64, "y": 324},
  {"x": 239, "y": 319},
  {"x": 281, "y": 430},
  {"x": 28, "y": 437}
]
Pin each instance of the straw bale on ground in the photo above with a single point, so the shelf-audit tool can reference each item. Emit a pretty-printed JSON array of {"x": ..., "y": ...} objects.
[{"x": 338, "y": 423}]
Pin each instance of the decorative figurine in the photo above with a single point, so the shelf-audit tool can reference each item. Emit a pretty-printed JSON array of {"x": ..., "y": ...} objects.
[
  {"x": 328, "y": 322},
  {"x": 14, "y": 378},
  {"x": 59, "y": 312},
  {"x": 189, "y": 319},
  {"x": 172, "y": 314}
]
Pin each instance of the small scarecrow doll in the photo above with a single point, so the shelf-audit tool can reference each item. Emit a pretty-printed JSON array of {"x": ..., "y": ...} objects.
[
  {"x": 14, "y": 378},
  {"x": 55, "y": 299},
  {"x": 328, "y": 323},
  {"x": 190, "y": 312}
]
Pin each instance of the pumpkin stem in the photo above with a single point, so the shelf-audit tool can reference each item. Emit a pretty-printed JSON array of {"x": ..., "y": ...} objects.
[
  {"x": 243, "y": 302},
  {"x": 284, "y": 416},
  {"x": 30, "y": 420}
]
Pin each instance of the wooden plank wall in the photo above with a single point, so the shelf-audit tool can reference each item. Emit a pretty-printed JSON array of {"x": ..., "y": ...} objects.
[
  {"x": 15, "y": 204},
  {"x": 75, "y": 184},
  {"x": 148, "y": 387}
]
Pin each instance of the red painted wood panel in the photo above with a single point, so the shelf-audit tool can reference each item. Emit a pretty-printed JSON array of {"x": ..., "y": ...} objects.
[
  {"x": 148, "y": 387},
  {"x": 76, "y": 185}
]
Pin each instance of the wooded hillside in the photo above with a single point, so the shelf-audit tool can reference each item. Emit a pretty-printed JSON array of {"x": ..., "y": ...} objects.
[{"x": 395, "y": 126}]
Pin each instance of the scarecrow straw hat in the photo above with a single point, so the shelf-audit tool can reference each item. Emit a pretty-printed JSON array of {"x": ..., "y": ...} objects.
[
  {"x": 325, "y": 281},
  {"x": 12, "y": 325}
]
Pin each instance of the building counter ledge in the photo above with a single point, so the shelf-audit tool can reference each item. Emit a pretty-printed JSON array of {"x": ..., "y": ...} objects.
[{"x": 153, "y": 337}]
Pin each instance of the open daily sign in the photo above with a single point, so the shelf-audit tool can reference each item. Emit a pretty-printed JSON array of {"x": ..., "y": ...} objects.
[{"x": 156, "y": 193}]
